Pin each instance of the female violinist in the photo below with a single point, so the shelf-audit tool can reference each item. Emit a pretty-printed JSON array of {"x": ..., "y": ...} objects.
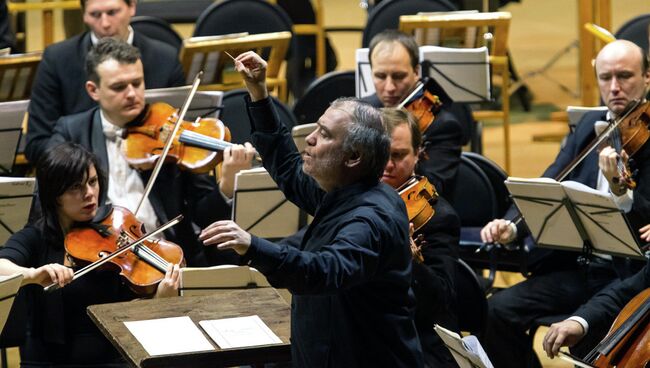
[
  {"x": 433, "y": 280},
  {"x": 115, "y": 82},
  {"x": 59, "y": 332}
]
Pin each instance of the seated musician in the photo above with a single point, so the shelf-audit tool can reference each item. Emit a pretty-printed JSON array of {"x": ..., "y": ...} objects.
[
  {"x": 116, "y": 83},
  {"x": 59, "y": 332},
  {"x": 58, "y": 88},
  {"x": 558, "y": 284},
  {"x": 350, "y": 277},
  {"x": 597, "y": 314},
  {"x": 394, "y": 59},
  {"x": 433, "y": 276}
]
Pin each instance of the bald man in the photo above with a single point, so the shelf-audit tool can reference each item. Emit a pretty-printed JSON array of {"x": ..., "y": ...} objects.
[{"x": 558, "y": 284}]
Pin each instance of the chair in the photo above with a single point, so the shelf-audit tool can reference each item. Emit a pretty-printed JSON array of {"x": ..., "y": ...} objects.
[
  {"x": 497, "y": 176},
  {"x": 471, "y": 303},
  {"x": 157, "y": 29},
  {"x": 209, "y": 54},
  {"x": 321, "y": 93},
  {"x": 235, "y": 116},
  {"x": 386, "y": 14},
  {"x": 173, "y": 11},
  {"x": 17, "y": 74},
  {"x": 475, "y": 26},
  {"x": 233, "y": 16},
  {"x": 636, "y": 30}
]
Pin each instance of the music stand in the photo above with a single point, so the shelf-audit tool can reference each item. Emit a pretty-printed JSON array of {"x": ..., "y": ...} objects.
[
  {"x": 463, "y": 73},
  {"x": 205, "y": 104},
  {"x": 12, "y": 115},
  {"x": 197, "y": 281},
  {"x": 15, "y": 202},
  {"x": 260, "y": 208},
  {"x": 572, "y": 216},
  {"x": 9, "y": 286}
]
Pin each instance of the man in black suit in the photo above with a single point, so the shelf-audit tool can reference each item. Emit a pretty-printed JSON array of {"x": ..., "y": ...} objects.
[
  {"x": 558, "y": 284},
  {"x": 116, "y": 83},
  {"x": 597, "y": 314},
  {"x": 394, "y": 59},
  {"x": 59, "y": 85},
  {"x": 434, "y": 274}
]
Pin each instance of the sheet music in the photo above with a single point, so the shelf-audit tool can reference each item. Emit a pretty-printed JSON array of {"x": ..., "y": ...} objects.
[
  {"x": 15, "y": 202},
  {"x": 12, "y": 115},
  {"x": 169, "y": 335},
  {"x": 363, "y": 74},
  {"x": 462, "y": 72},
  {"x": 576, "y": 113},
  {"x": 261, "y": 208},
  {"x": 200, "y": 280},
  {"x": 239, "y": 332},
  {"x": 540, "y": 200},
  {"x": 466, "y": 355},
  {"x": 9, "y": 286}
]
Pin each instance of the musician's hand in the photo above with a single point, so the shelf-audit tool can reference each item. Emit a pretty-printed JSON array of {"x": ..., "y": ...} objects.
[
  {"x": 252, "y": 68},
  {"x": 608, "y": 164},
  {"x": 498, "y": 231},
  {"x": 226, "y": 235},
  {"x": 49, "y": 274},
  {"x": 645, "y": 233},
  {"x": 235, "y": 158},
  {"x": 169, "y": 285},
  {"x": 565, "y": 333}
]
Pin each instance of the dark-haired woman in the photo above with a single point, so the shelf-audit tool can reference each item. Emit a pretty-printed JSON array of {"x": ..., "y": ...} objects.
[{"x": 59, "y": 331}]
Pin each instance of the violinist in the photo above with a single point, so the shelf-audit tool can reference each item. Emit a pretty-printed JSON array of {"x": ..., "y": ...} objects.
[
  {"x": 116, "y": 83},
  {"x": 59, "y": 331},
  {"x": 558, "y": 284},
  {"x": 394, "y": 59},
  {"x": 433, "y": 279},
  {"x": 58, "y": 88}
]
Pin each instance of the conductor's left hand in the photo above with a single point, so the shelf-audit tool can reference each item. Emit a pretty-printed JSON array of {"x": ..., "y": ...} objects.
[{"x": 226, "y": 235}]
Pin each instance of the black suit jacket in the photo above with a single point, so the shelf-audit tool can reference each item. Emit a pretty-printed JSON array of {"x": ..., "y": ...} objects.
[
  {"x": 59, "y": 87},
  {"x": 603, "y": 307},
  {"x": 442, "y": 143},
  {"x": 175, "y": 192}
]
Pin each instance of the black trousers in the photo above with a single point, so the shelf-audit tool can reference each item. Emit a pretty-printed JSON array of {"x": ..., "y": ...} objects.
[{"x": 511, "y": 312}]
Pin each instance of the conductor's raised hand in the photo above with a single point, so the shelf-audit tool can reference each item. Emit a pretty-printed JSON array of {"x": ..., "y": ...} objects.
[
  {"x": 226, "y": 235},
  {"x": 252, "y": 68}
]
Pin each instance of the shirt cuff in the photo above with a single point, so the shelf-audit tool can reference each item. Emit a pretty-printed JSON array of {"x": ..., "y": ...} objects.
[
  {"x": 624, "y": 202},
  {"x": 582, "y": 322}
]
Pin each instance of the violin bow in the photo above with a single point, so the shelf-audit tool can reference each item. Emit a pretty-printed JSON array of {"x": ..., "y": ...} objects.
[
  {"x": 170, "y": 140},
  {"x": 118, "y": 252},
  {"x": 601, "y": 137},
  {"x": 418, "y": 88}
]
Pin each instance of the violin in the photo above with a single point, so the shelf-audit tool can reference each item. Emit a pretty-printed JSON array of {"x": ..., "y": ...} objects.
[
  {"x": 144, "y": 142},
  {"x": 628, "y": 342},
  {"x": 423, "y": 104},
  {"x": 143, "y": 265},
  {"x": 418, "y": 195}
]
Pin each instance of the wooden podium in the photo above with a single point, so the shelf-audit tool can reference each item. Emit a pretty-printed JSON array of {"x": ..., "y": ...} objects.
[{"x": 264, "y": 302}]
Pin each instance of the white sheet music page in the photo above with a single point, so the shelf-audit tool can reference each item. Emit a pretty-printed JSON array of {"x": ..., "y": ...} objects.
[
  {"x": 240, "y": 332},
  {"x": 169, "y": 335}
]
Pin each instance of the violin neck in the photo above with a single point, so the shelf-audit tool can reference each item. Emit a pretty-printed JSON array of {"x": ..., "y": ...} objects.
[{"x": 194, "y": 139}]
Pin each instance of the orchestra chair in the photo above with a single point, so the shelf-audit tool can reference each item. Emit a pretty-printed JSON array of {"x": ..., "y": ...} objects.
[
  {"x": 471, "y": 301},
  {"x": 173, "y": 11},
  {"x": 387, "y": 14},
  {"x": 208, "y": 54},
  {"x": 636, "y": 30},
  {"x": 321, "y": 93},
  {"x": 17, "y": 74},
  {"x": 472, "y": 30},
  {"x": 235, "y": 115},
  {"x": 157, "y": 29}
]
